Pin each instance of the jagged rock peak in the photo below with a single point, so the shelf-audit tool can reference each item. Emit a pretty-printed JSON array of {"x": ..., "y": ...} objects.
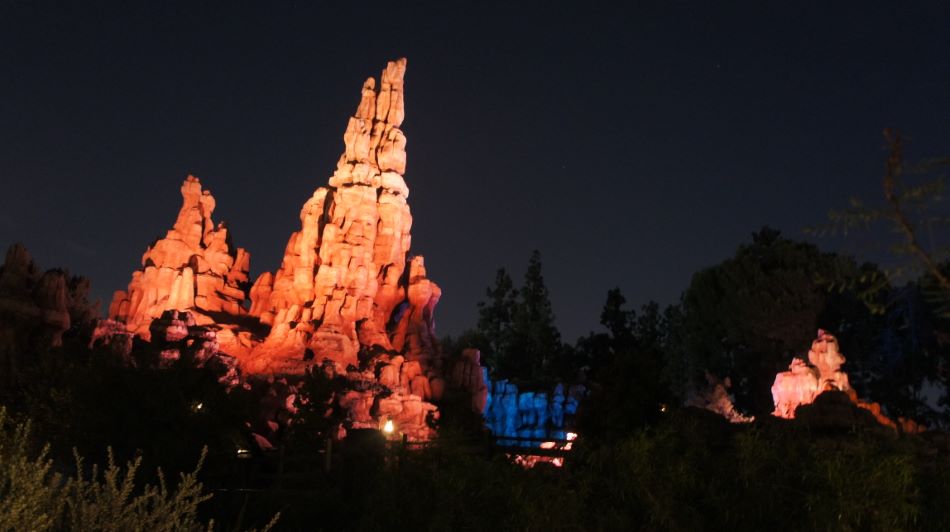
[
  {"x": 341, "y": 284},
  {"x": 194, "y": 267},
  {"x": 374, "y": 144}
]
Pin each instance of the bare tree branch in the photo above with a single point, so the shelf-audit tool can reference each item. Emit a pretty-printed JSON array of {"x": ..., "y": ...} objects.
[{"x": 892, "y": 172}]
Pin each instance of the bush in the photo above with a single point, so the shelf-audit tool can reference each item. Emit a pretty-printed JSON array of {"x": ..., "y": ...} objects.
[{"x": 34, "y": 497}]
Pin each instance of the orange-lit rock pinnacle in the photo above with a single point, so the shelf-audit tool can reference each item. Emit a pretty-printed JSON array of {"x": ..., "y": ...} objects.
[
  {"x": 194, "y": 267},
  {"x": 342, "y": 284}
]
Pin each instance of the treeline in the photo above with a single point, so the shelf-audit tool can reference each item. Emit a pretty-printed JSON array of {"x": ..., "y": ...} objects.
[{"x": 744, "y": 318}]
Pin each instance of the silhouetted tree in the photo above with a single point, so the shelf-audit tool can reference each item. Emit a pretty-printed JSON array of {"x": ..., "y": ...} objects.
[
  {"x": 534, "y": 340},
  {"x": 912, "y": 210},
  {"x": 912, "y": 219},
  {"x": 516, "y": 331},
  {"x": 629, "y": 388},
  {"x": 317, "y": 403},
  {"x": 495, "y": 319}
]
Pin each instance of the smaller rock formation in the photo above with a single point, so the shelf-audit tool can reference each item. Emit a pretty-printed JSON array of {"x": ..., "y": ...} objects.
[
  {"x": 715, "y": 398},
  {"x": 36, "y": 309},
  {"x": 532, "y": 414},
  {"x": 535, "y": 415},
  {"x": 32, "y": 299},
  {"x": 193, "y": 268},
  {"x": 797, "y": 386},
  {"x": 469, "y": 375},
  {"x": 803, "y": 383}
]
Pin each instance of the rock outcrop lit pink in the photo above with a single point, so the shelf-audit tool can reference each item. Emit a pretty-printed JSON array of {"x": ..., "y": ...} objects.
[{"x": 802, "y": 383}]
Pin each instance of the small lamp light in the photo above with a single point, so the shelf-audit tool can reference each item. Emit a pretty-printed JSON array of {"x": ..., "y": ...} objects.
[{"x": 388, "y": 428}]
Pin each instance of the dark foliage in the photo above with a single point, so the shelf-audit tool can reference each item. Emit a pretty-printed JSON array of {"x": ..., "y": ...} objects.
[
  {"x": 85, "y": 399},
  {"x": 629, "y": 387},
  {"x": 748, "y": 316},
  {"x": 516, "y": 333},
  {"x": 689, "y": 471}
]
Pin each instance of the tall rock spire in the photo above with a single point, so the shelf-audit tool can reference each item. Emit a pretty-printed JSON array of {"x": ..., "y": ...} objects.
[{"x": 341, "y": 286}]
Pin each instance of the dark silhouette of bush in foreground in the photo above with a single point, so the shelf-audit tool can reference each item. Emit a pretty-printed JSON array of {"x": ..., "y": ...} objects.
[
  {"x": 33, "y": 496},
  {"x": 690, "y": 471}
]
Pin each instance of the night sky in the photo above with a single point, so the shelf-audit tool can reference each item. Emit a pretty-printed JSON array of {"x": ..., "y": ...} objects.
[{"x": 631, "y": 147}]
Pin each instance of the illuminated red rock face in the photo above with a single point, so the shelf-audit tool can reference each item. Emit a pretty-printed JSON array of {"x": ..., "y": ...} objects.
[
  {"x": 342, "y": 285},
  {"x": 193, "y": 268}
]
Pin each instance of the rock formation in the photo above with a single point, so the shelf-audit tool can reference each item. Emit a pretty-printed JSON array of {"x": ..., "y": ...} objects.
[
  {"x": 346, "y": 282},
  {"x": 803, "y": 383},
  {"x": 797, "y": 386},
  {"x": 535, "y": 415},
  {"x": 347, "y": 290},
  {"x": 193, "y": 268},
  {"x": 34, "y": 311},
  {"x": 715, "y": 397},
  {"x": 468, "y": 374},
  {"x": 37, "y": 309}
]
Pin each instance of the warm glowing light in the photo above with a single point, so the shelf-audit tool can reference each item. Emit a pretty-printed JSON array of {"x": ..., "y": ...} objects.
[
  {"x": 243, "y": 453},
  {"x": 388, "y": 428},
  {"x": 547, "y": 445},
  {"x": 571, "y": 436},
  {"x": 663, "y": 407},
  {"x": 197, "y": 407}
]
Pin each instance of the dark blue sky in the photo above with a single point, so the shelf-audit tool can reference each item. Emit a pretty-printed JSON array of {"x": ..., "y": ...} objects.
[{"x": 632, "y": 146}]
